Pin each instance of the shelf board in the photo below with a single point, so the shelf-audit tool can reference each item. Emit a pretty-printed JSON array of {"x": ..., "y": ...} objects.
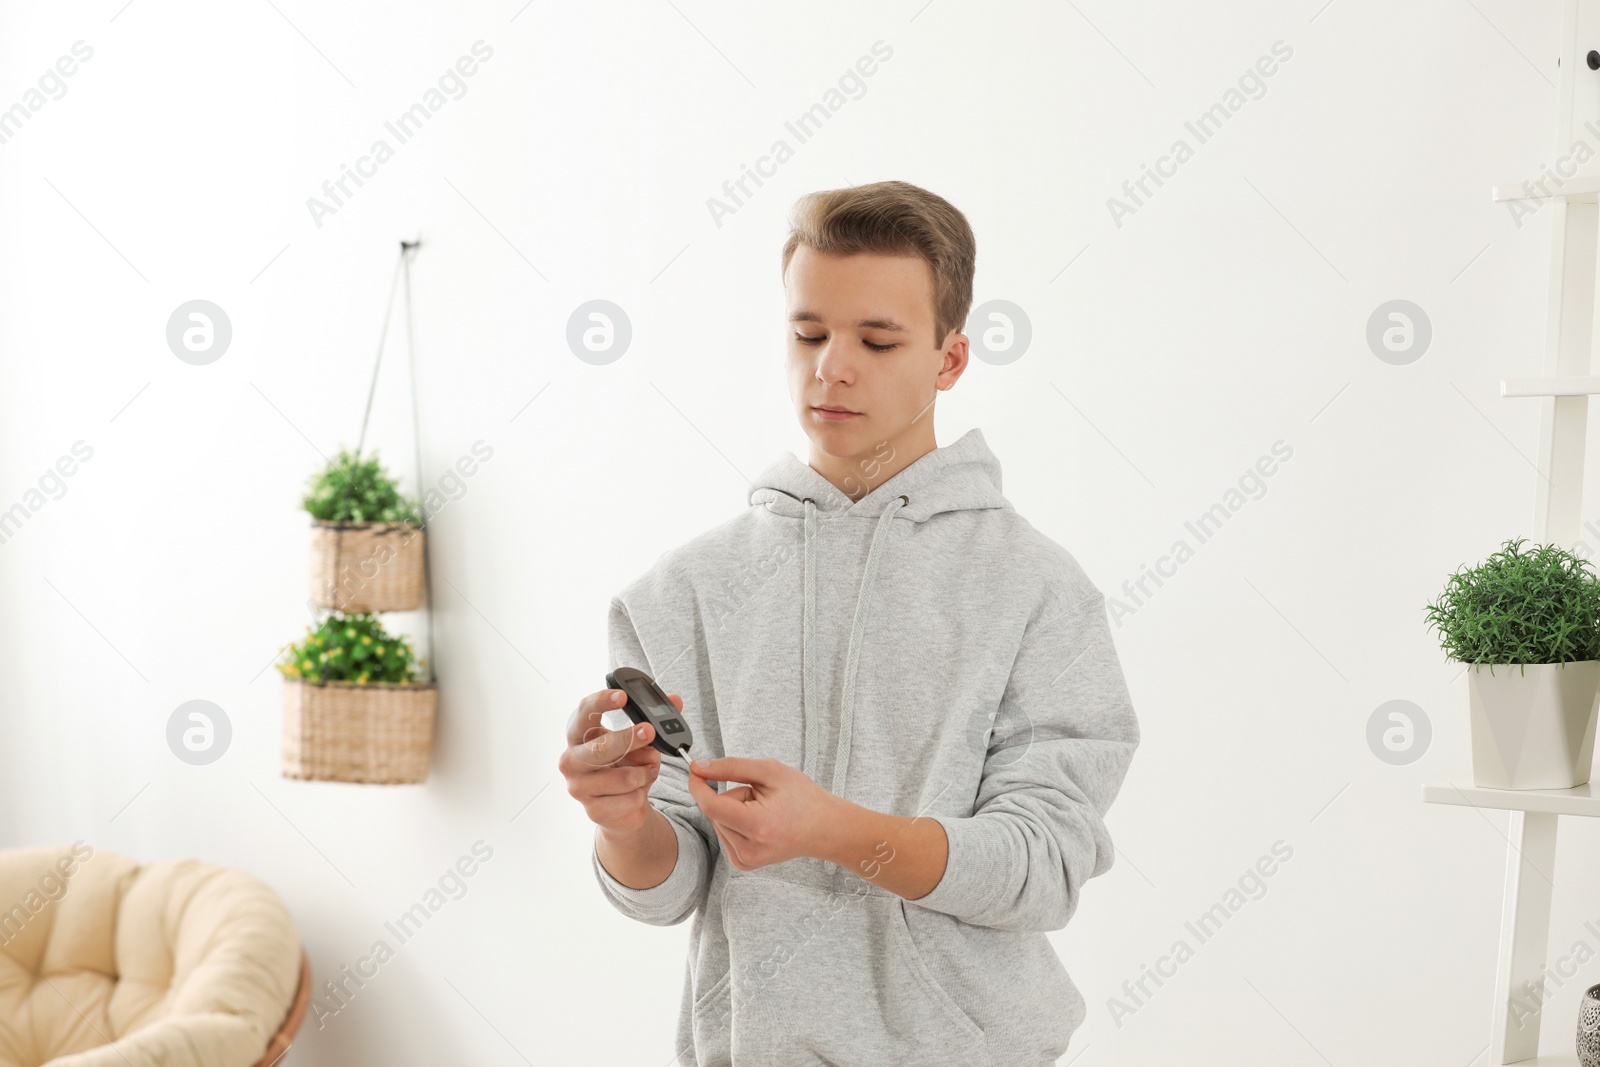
[
  {"x": 1568, "y": 385},
  {"x": 1573, "y": 190},
  {"x": 1579, "y": 800}
]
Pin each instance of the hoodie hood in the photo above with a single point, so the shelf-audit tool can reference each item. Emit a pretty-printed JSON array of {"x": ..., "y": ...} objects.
[{"x": 961, "y": 476}]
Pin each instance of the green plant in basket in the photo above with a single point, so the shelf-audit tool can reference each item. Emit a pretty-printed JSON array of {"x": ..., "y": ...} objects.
[
  {"x": 1539, "y": 606},
  {"x": 350, "y": 648},
  {"x": 351, "y": 489}
]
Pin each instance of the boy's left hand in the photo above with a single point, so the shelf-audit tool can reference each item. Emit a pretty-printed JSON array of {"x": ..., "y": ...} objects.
[{"x": 778, "y": 815}]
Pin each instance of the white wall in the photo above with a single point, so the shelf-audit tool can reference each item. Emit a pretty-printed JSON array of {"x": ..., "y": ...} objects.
[{"x": 1226, "y": 314}]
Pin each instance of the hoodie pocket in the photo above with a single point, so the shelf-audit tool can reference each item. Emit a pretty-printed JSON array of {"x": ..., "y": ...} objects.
[
  {"x": 919, "y": 966},
  {"x": 835, "y": 975},
  {"x": 710, "y": 1023}
]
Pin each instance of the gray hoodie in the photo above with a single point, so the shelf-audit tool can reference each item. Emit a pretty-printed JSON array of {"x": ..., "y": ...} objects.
[{"x": 922, "y": 651}]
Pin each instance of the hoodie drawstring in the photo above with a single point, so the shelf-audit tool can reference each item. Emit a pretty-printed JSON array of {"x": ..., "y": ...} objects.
[
  {"x": 852, "y": 661},
  {"x": 808, "y": 642}
]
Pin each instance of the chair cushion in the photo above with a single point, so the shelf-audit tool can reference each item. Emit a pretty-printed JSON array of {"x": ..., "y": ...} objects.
[{"x": 105, "y": 962}]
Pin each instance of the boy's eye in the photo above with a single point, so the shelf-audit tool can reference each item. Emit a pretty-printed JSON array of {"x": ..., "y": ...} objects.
[{"x": 803, "y": 339}]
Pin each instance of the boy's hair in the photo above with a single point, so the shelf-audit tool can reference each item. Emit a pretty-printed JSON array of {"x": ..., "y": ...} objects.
[{"x": 893, "y": 218}]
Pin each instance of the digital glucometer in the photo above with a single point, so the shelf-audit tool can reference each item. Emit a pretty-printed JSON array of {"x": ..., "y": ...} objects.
[{"x": 646, "y": 703}]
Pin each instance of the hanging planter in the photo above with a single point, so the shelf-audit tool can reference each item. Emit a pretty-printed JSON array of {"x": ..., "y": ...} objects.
[
  {"x": 1528, "y": 626},
  {"x": 354, "y": 709},
  {"x": 367, "y": 540},
  {"x": 366, "y": 567}
]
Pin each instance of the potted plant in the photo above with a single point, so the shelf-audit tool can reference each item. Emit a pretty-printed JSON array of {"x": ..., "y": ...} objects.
[
  {"x": 354, "y": 707},
  {"x": 1527, "y": 624},
  {"x": 367, "y": 549}
]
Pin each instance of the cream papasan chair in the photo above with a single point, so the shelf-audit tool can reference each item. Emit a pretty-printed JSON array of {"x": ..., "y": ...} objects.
[{"x": 106, "y": 962}]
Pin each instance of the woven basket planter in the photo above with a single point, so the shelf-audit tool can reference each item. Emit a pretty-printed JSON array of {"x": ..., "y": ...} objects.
[
  {"x": 344, "y": 732},
  {"x": 367, "y": 567}
]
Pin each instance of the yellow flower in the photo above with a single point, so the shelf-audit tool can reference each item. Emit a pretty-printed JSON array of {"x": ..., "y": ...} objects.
[{"x": 305, "y": 665}]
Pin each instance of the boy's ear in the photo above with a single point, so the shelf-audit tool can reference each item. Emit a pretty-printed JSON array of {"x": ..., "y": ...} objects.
[{"x": 956, "y": 356}]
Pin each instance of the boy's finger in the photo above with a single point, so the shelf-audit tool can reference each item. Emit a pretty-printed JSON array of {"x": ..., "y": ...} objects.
[
  {"x": 585, "y": 721},
  {"x": 705, "y": 795},
  {"x": 731, "y": 769},
  {"x": 611, "y": 745},
  {"x": 728, "y": 813},
  {"x": 588, "y": 715},
  {"x": 732, "y": 840},
  {"x": 701, "y": 792}
]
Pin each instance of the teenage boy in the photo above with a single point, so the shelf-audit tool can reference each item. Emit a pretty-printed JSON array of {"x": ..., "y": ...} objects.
[{"x": 915, "y": 692}]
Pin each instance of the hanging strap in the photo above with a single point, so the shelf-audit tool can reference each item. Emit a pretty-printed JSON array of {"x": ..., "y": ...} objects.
[
  {"x": 402, "y": 264},
  {"x": 403, "y": 268}
]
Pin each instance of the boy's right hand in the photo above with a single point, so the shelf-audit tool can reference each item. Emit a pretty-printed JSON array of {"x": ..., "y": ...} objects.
[{"x": 610, "y": 772}]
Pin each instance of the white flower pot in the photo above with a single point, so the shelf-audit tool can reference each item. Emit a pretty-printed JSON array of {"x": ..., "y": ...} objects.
[{"x": 1533, "y": 724}]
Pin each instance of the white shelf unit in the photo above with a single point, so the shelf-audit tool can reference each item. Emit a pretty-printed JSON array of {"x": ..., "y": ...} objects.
[{"x": 1563, "y": 390}]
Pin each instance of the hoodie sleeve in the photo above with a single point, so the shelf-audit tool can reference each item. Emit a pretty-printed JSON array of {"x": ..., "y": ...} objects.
[
  {"x": 674, "y": 899},
  {"x": 1064, "y": 735}
]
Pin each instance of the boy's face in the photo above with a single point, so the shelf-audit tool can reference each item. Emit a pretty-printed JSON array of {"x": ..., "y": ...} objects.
[{"x": 861, "y": 338}]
